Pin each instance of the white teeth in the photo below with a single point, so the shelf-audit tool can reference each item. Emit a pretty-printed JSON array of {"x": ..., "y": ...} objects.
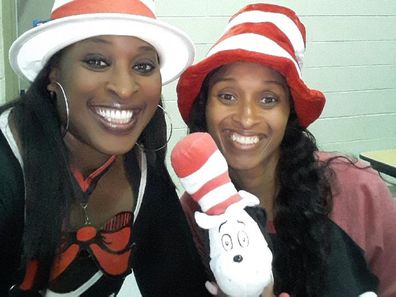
[
  {"x": 115, "y": 116},
  {"x": 244, "y": 139}
]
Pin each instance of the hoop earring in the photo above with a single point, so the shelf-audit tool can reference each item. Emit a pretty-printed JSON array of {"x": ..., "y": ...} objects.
[
  {"x": 66, "y": 128},
  {"x": 141, "y": 146}
]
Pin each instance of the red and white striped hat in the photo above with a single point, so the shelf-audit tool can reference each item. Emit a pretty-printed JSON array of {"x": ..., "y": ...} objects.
[
  {"x": 75, "y": 20},
  {"x": 268, "y": 34},
  {"x": 203, "y": 172}
]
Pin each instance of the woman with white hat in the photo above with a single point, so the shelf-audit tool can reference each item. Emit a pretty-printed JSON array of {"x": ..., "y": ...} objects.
[
  {"x": 331, "y": 219},
  {"x": 85, "y": 198}
]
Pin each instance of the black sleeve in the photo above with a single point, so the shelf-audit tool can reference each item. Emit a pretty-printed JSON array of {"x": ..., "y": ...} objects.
[
  {"x": 11, "y": 216},
  {"x": 165, "y": 260}
]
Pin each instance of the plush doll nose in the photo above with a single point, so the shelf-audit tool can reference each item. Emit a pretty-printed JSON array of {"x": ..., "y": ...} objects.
[{"x": 238, "y": 258}]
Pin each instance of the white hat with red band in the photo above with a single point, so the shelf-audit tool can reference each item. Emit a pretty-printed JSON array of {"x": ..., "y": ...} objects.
[
  {"x": 75, "y": 20},
  {"x": 262, "y": 33}
]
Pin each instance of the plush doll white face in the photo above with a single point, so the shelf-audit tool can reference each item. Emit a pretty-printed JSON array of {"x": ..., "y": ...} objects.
[{"x": 240, "y": 258}]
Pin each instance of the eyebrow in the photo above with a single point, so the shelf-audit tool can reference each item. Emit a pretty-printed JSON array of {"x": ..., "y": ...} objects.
[
  {"x": 143, "y": 48},
  {"x": 97, "y": 40},
  {"x": 216, "y": 80},
  {"x": 147, "y": 48},
  {"x": 226, "y": 79},
  {"x": 222, "y": 225}
]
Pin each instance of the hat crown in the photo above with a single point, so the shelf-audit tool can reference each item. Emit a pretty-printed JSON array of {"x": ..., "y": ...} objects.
[
  {"x": 284, "y": 20},
  {"x": 63, "y": 8}
]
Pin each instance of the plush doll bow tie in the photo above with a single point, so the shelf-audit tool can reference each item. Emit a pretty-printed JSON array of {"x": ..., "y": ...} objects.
[{"x": 239, "y": 255}]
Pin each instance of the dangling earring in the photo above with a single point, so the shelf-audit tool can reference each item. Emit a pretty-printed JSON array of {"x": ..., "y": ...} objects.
[
  {"x": 66, "y": 128},
  {"x": 141, "y": 146}
]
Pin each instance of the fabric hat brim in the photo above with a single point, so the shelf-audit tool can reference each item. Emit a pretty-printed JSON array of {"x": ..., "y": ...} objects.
[
  {"x": 31, "y": 51},
  {"x": 308, "y": 103}
]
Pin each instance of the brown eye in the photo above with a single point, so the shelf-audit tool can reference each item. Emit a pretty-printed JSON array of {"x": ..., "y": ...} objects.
[
  {"x": 269, "y": 101},
  {"x": 96, "y": 62},
  {"x": 144, "y": 68},
  {"x": 226, "y": 97}
]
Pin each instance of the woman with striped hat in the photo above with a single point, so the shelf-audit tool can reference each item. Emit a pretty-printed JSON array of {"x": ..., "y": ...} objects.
[{"x": 332, "y": 220}]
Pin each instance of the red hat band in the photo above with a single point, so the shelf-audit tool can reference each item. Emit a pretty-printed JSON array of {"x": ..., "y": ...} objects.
[{"x": 77, "y": 7}]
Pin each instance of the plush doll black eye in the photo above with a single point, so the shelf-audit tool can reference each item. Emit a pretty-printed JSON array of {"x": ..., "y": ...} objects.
[
  {"x": 243, "y": 239},
  {"x": 226, "y": 240}
]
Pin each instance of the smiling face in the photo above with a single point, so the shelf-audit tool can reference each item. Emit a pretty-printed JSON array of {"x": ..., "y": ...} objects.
[
  {"x": 246, "y": 114},
  {"x": 113, "y": 86}
]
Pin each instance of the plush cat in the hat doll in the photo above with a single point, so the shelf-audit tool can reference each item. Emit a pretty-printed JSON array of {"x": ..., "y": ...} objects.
[{"x": 240, "y": 258}]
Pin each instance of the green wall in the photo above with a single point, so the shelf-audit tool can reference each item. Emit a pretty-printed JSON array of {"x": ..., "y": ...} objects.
[
  {"x": 8, "y": 80},
  {"x": 351, "y": 57}
]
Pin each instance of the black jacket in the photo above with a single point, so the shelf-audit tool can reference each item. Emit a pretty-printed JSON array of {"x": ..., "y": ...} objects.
[{"x": 164, "y": 259}]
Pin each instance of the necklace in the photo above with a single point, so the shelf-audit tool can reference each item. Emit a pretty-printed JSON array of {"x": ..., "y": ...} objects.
[{"x": 85, "y": 186}]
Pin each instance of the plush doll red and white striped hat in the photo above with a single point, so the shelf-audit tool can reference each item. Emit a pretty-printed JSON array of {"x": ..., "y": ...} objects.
[
  {"x": 268, "y": 34},
  {"x": 203, "y": 172}
]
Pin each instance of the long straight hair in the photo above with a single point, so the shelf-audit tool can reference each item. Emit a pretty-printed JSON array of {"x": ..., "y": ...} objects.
[{"x": 49, "y": 189}]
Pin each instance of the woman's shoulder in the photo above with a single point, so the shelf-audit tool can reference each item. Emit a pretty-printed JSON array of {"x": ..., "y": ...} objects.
[
  {"x": 361, "y": 199},
  {"x": 350, "y": 171},
  {"x": 354, "y": 182},
  {"x": 365, "y": 210}
]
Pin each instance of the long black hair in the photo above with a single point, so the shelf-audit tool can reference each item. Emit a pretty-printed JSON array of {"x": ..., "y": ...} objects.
[
  {"x": 301, "y": 206},
  {"x": 301, "y": 211},
  {"x": 49, "y": 189}
]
